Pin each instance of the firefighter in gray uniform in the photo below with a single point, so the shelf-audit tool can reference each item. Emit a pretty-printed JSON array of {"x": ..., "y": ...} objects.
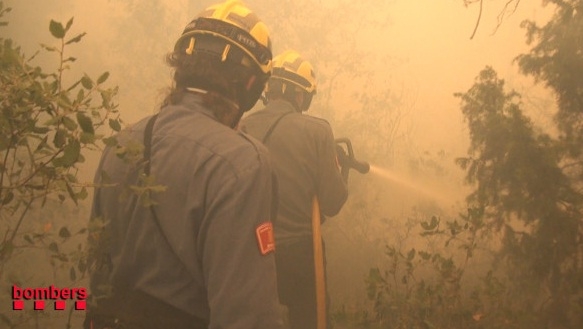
[
  {"x": 182, "y": 236},
  {"x": 303, "y": 153}
]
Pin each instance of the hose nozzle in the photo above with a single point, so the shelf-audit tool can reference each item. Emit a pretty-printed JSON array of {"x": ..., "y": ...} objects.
[
  {"x": 347, "y": 159},
  {"x": 361, "y": 166}
]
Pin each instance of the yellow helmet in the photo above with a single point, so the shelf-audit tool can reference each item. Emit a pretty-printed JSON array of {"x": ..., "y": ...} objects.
[
  {"x": 236, "y": 24},
  {"x": 290, "y": 67}
]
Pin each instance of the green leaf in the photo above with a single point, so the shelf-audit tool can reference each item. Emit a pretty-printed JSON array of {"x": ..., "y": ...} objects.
[
  {"x": 38, "y": 187},
  {"x": 74, "y": 85},
  {"x": 43, "y": 144},
  {"x": 40, "y": 130},
  {"x": 48, "y": 48},
  {"x": 110, "y": 141},
  {"x": 80, "y": 95},
  {"x": 103, "y": 77},
  {"x": 69, "y": 123},
  {"x": 52, "y": 121},
  {"x": 425, "y": 255},
  {"x": 70, "y": 155},
  {"x": 85, "y": 123},
  {"x": 60, "y": 138},
  {"x": 107, "y": 96},
  {"x": 57, "y": 29},
  {"x": 86, "y": 82},
  {"x": 374, "y": 274},
  {"x": 72, "y": 152},
  {"x": 71, "y": 193},
  {"x": 76, "y": 38},
  {"x": 64, "y": 232},
  {"x": 54, "y": 247},
  {"x": 87, "y": 138},
  {"x": 71, "y": 178},
  {"x": 69, "y": 23},
  {"x": 64, "y": 101},
  {"x": 28, "y": 239},
  {"x": 82, "y": 195},
  {"x": 411, "y": 254},
  {"x": 114, "y": 124}
]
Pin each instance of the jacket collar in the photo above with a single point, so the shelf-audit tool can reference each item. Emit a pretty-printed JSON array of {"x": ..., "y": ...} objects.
[{"x": 280, "y": 105}]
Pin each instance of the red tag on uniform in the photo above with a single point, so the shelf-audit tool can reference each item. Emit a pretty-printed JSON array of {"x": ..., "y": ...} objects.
[{"x": 265, "y": 238}]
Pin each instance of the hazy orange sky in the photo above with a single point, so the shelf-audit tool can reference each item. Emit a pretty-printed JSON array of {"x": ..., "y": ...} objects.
[{"x": 428, "y": 39}]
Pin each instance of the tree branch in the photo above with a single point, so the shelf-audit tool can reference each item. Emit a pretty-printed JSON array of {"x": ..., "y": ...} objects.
[
  {"x": 478, "y": 20},
  {"x": 503, "y": 12}
]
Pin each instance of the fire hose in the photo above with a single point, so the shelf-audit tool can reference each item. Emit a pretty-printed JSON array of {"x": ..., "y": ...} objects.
[{"x": 347, "y": 161}]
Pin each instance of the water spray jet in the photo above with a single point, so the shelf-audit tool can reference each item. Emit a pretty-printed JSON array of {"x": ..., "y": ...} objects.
[{"x": 408, "y": 184}]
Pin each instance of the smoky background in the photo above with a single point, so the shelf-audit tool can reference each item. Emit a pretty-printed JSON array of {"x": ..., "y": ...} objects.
[{"x": 387, "y": 72}]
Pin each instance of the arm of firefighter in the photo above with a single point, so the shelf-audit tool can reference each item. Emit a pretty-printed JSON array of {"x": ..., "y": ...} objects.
[
  {"x": 331, "y": 188},
  {"x": 238, "y": 258}
]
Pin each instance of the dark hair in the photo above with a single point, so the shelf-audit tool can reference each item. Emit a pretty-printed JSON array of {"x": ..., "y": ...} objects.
[
  {"x": 202, "y": 71},
  {"x": 233, "y": 78},
  {"x": 223, "y": 80}
]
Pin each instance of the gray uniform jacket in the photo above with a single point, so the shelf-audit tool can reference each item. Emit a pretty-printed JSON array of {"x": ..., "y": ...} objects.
[
  {"x": 303, "y": 153},
  {"x": 219, "y": 189}
]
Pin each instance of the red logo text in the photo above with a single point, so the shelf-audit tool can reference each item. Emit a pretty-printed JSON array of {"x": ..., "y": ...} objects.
[{"x": 53, "y": 295}]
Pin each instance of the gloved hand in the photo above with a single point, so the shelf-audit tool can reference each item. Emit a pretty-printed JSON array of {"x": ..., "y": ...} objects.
[
  {"x": 343, "y": 161},
  {"x": 342, "y": 156}
]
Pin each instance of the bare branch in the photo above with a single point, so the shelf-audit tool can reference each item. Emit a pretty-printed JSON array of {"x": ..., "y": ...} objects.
[
  {"x": 505, "y": 12},
  {"x": 478, "y": 20}
]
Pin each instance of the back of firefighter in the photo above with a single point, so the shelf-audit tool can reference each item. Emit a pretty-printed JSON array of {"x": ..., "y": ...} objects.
[
  {"x": 303, "y": 153},
  {"x": 196, "y": 251}
]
